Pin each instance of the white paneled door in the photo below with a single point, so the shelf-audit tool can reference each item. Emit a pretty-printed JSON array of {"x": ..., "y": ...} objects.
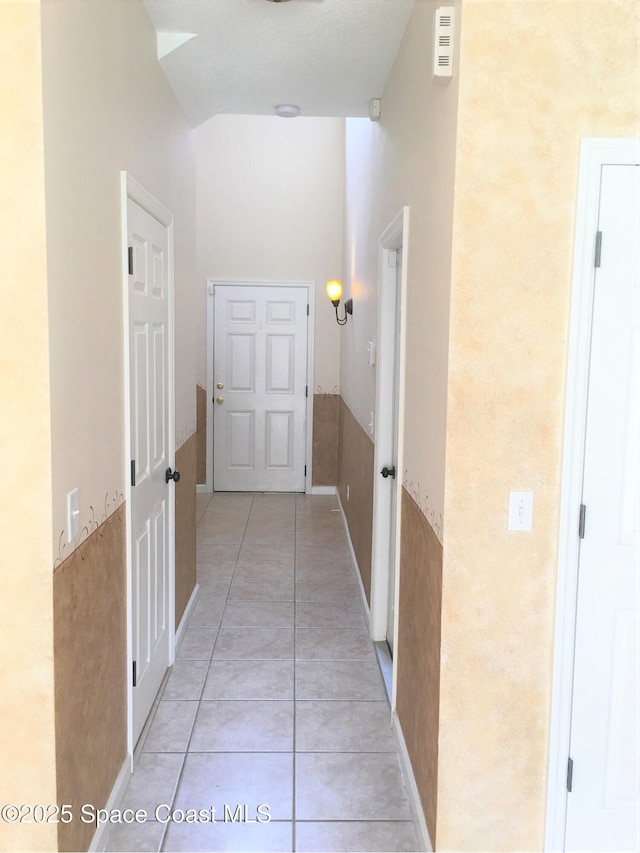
[
  {"x": 260, "y": 379},
  {"x": 150, "y": 390},
  {"x": 603, "y": 805}
]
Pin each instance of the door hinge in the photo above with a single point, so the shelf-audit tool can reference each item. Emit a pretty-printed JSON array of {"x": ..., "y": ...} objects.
[
  {"x": 305, "y": 470},
  {"x": 133, "y": 472},
  {"x": 306, "y": 390},
  {"x": 130, "y": 260},
  {"x": 581, "y": 521},
  {"x": 569, "y": 775},
  {"x": 598, "y": 253},
  {"x": 135, "y": 674},
  {"x": 307, "y": 309}
]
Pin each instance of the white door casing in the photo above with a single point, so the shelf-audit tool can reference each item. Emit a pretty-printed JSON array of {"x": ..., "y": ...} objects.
[
  {"x": 603, "y": 805},
  {"x": 261, "y": 387},
  {"x": 590, "y": 717},
  {"x": 390, "y": 371},
  {"x": 150, "y": 445}
]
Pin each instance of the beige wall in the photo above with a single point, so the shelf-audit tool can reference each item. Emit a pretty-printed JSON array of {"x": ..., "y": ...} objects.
[
  {"x": 405, "y": 159},
  {"x": 27, "y": 748},
  {"x": 270, "y": 207},
  {"x": 535, "y": 78},
  {"x": 107, "y": 107}
]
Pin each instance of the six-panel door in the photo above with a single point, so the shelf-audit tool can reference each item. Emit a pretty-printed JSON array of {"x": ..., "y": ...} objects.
[{"x": 260, "y": 374}]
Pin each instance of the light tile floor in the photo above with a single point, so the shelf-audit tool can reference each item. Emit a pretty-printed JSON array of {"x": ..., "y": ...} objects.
[{"x": 275, "y": 699}]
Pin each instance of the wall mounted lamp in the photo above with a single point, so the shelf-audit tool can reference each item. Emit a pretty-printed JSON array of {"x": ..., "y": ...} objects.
[{"x": 334, "y": 292}]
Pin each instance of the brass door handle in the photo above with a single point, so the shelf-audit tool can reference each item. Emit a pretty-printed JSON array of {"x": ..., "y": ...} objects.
[
  {"x": 220, "y": 386},
  {"x": 219, "y": 400}
]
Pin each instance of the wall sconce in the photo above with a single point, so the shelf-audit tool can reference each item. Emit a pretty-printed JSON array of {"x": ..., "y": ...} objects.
[{"x": 334, "y": 292}]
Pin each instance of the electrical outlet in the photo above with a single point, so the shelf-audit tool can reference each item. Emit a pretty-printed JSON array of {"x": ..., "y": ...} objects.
[
  {"x": 73, "y": 514},
  {"x": 520, "y": 511}
]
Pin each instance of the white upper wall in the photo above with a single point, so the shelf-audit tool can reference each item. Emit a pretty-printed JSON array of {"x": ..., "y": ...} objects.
[
  {"x": 107, "y": 107},
  {"x": 270, "y": 207},
  {"x": 406, "y": 159}
]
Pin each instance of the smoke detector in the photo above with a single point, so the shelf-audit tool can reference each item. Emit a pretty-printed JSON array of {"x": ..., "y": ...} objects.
[{"x": 286, "y": 110}]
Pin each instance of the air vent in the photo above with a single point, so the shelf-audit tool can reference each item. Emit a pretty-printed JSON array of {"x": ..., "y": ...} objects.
[{"x": 443, "y": 42}]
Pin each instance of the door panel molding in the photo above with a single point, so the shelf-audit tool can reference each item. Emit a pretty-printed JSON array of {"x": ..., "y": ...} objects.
[
  {"x": 211, "y": 389},
  {"x": 132, "y": 190},
  {"x": 594, "y": 154}
]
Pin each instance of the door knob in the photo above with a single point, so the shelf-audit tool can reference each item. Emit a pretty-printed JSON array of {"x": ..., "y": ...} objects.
[
  {"x": 219, "y": 400},
  {"x": 220, "y": 386},
  {"x": 388, "y": 472},
  {"x": 171, "y": 475}
]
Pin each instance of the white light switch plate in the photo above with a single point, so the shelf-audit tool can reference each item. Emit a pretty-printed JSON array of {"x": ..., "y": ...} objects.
[{"x": 520, "y": 511}]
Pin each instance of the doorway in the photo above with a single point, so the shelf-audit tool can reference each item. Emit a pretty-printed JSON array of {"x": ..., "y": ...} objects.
[
  {"x": 260, "y": 357},
  {"x": 593, "y": 790},
  {"x": 389, "y": 407},
  {"x": 149, "y": 407}
]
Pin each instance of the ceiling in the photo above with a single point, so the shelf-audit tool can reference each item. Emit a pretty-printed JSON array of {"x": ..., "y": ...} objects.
[{"x": 330, "y": 57}]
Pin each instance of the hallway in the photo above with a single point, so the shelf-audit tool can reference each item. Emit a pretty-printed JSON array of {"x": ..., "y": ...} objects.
[{"x": 275, "y": 699}]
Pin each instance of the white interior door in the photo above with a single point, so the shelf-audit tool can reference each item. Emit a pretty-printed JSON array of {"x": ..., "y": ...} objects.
[
  {"x": 151, "y": 503},
  {"x": 260, "y": 377},
  {"x": 391, "y": 599},
  {"x": 603, "y": 805}
]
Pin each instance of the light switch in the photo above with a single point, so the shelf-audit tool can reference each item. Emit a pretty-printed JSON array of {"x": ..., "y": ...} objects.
[
  {"x": 73, "y": 514},
  {"x": 520, "y": 511}
]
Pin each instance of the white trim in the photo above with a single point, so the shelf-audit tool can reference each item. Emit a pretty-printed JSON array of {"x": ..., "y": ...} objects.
[
  {"x": 187, "y": 614},
  {"x": 411, "y": 787},
  {"x": 202, "y": 489},
  {"x": 354, "y": 558},
  {"x": 101, "y": 835},
  {"x": 132, "y": 189},
  {"x": 323, "y": 490},
  {"x": 311, "y": 301},
  {"x": 593, "y": 155},
  {"x": 392, "y": 296}
]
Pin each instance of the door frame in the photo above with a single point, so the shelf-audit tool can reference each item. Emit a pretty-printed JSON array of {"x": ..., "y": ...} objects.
[
  {"x": 594, "y": 154},
  {"x": 311, "y": 296},
  {"x": 390, "y": 293},
  {"x": 131, "y": 189}
]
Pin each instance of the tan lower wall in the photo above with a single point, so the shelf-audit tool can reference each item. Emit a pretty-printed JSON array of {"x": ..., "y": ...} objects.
[
  {"x": 89, "y": 603},
  {"x": 418, "y": 652},
  {"x": 201, "y": 434},
  {"x": 185, "y": 524},
  {"x": 326, "y": 433},
  {"x": 356, "y": 471}
]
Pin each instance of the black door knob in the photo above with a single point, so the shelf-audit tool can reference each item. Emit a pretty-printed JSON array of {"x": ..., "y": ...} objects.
[
  {"x": 171, "y": 475},
  {"x": 388, "y": 472}
]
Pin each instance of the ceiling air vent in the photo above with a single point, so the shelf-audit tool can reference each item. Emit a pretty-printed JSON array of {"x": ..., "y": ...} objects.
[{"x": 443, "y": 42}]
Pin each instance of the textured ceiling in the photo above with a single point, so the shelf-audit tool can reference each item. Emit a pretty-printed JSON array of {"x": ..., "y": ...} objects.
[{"x": 246, "y": 56}]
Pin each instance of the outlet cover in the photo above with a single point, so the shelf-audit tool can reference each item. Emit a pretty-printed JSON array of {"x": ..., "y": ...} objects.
[{"x": 73, "y": 514}]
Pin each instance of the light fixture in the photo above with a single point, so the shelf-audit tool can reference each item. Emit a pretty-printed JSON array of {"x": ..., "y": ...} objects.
[
  {"x": 334, "y": 292},
  {"x": 287, "y": 110}
]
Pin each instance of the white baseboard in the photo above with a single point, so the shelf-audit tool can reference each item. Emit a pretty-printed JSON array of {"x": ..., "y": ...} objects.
[
  {"x": 101, "y": 835},
  {"x": 187, "y": 613},
  {"x": 323, "y": 490},
  {"x": 412, "y": 788},
  {"x": 203, "y": 489},
  {"x": 355, "y": 560}
]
